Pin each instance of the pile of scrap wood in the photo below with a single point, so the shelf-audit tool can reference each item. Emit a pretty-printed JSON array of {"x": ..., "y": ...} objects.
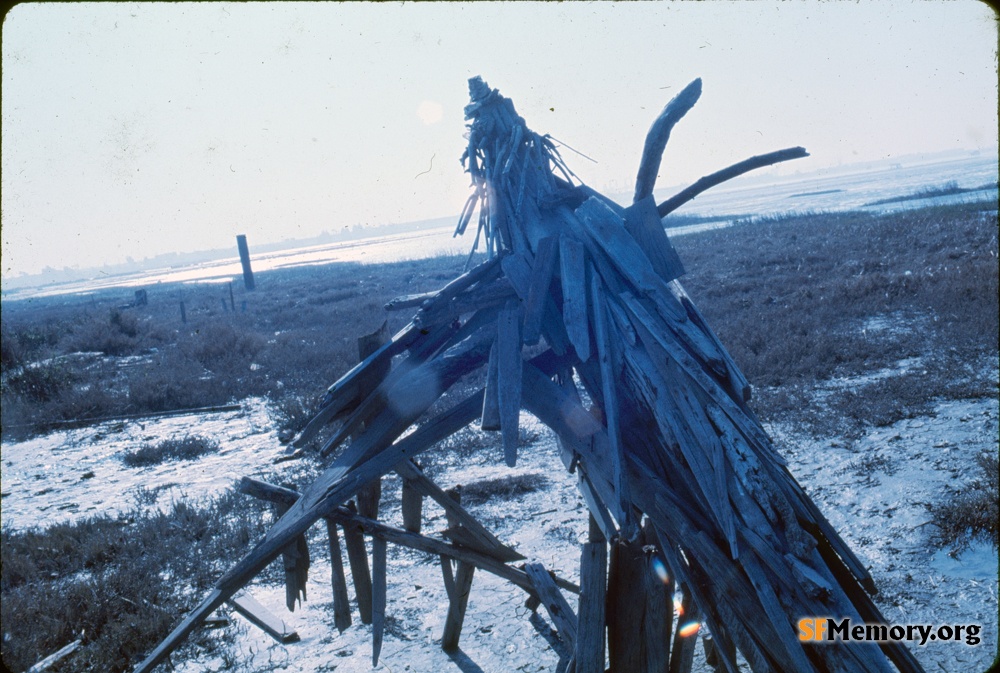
[{"x": 683, "y": 485}]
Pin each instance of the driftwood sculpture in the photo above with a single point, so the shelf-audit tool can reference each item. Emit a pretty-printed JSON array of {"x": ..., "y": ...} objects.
[{"x": 649, "y": 408}]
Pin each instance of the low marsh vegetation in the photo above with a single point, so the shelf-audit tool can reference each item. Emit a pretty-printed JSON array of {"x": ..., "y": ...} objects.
[
  {"x": 185, "y": 448},
  {"x": 117, "y": 583}
]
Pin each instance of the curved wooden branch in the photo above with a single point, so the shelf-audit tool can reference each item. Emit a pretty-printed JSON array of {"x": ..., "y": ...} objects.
[
  {"x": 709, "y": 181},
  {"x": 659, "y": 133}
]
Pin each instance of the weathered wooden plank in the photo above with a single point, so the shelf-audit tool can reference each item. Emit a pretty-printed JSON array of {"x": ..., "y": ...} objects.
[
  {"x": 348, "y": 388},
  {"x": 494, "y": 293},
  {"x": 646, "y": 227},
  {"x": 517, "y": 269},
  {"x": 375, "y": 400},
  {"x": 341, "y": 604},
  {"x": 659, "y": 134},
  {"x": 457, "y": 605},
  {"x": 509, "y": 365},
  {"x": 589, "y": 652},
  {"x": 573, "y": 276},
  {"x": 607, "y": 232},
  {"x": 258, "y": 615},
  {"x": 657, "y": 622},
  {"x": 597, "y": 507},
  {"x": 538, "y": 288},
  {"x": 378, "y": 596},
  {"x": 491, "y": 399},
  {"x": 605, "y": 356},
  {"x": 555, "y": 603},
  {"x": 357, "y": 556},
  {"x": 682, "y": 650},
  {"x": 626, "y": 605},
  {"x": 461, "y": 584},
  {"x": 54, "y": 658}
]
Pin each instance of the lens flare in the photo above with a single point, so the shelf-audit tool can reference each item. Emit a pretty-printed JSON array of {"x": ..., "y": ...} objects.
[
  {"x": 689, "y": 629},
  {"x": 661, "y": 570},
  {"x": 678, "y": 606}
]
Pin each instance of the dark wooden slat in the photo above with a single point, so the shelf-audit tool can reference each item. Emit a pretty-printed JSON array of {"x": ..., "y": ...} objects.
[
  {"x": 341, "y": 604},
  {"x": 509, "y": 366},
  {"x": 682, "y": 650},
  {"x": 659, "y": 134},
  {"x": 368, "y": 499},
  {"x": 555, "y": 603},
  {"x": 658, "y": 621},
  {"x": 589, "y": 652},
  {"x": 538, "y": 288},
  {"x": 573, "y": 276},
  {"x": 644, "y": 224},
  {"x": 412, "y": 505},
  {"x": 357, "y": 556},
  {"x": 378, "y": 596},
  {"x": 626, "y": 605},
  {"x": 258, "y": 615}
]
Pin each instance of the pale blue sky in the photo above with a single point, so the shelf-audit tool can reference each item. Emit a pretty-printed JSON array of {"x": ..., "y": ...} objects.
[{"x": 138, "y": 129}]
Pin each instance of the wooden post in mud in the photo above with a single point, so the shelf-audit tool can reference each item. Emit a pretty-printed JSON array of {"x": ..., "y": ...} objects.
[{"x": 241, "y": 243}]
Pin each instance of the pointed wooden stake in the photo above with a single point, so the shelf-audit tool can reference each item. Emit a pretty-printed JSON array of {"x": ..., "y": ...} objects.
[
  {"x": 378, "y": 596},
  {"x": 357, "y": 556},
  {"x": 341, "y": 604}
]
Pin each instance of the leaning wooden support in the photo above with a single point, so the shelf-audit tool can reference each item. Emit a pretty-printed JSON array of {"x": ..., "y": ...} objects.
[
  {"x": 555, "y": 603},
  {"x": 459, "y": 586},
  {"x": 347, "y": 516}
]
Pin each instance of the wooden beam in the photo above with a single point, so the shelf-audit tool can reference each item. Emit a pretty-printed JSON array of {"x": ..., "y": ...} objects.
[
  {"x": 589, "y": 652},
  {"x": 259, "y": 616},
  {"x": 555, "y": 603}
]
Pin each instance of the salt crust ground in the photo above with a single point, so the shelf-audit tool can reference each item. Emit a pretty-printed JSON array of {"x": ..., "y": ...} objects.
[{"x": 873, "y": 490}]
